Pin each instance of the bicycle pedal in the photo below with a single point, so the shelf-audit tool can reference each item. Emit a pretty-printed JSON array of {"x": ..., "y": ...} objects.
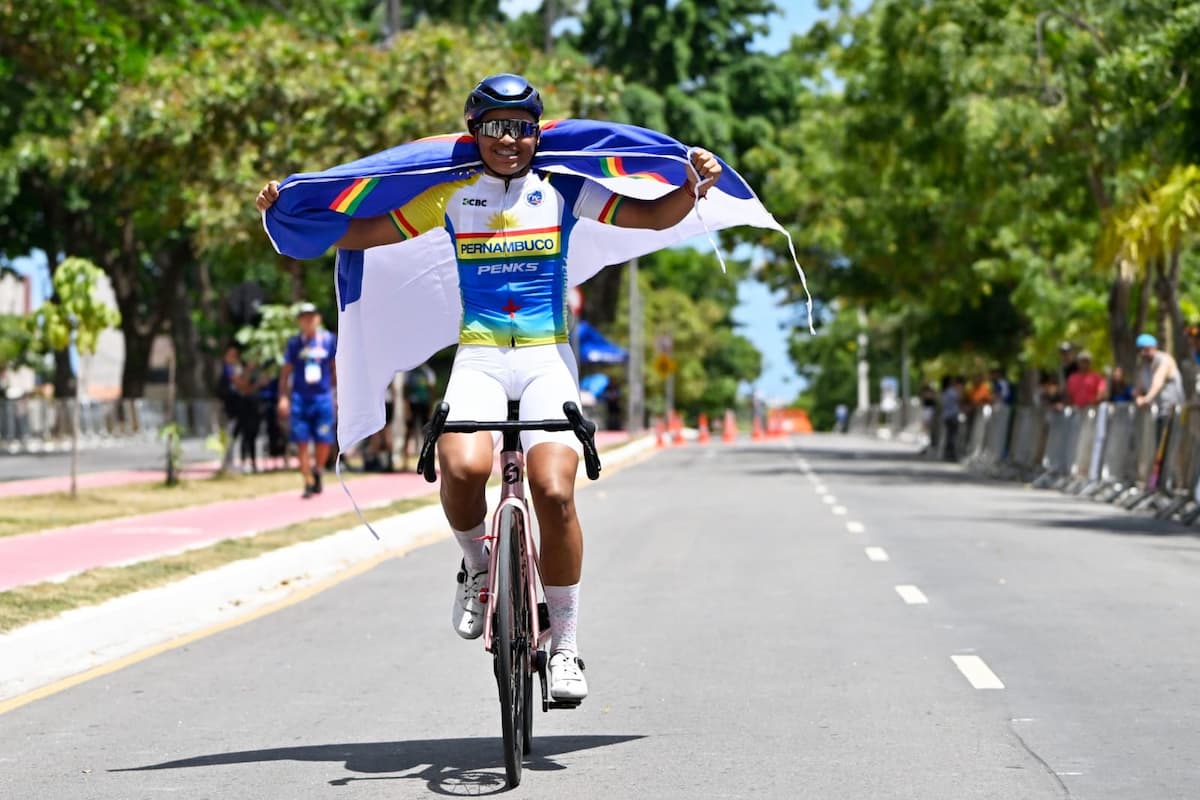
[
  {"x": 543, "y": 617},
  {"x": 565, "y": 704}
]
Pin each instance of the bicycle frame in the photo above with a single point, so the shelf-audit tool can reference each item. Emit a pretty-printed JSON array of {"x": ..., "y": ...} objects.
[{"x": 512, "y": 493}]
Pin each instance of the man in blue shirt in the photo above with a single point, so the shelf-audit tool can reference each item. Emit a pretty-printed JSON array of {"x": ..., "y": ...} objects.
[{"x": 306, "y": 387}]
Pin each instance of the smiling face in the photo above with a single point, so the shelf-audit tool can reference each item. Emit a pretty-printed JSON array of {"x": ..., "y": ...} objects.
[{"x": 507, "y": 157}]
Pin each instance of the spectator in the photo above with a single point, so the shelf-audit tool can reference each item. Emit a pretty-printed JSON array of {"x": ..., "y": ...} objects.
[
  {"x": 1119, "y": 390},
  {"x": 1158, "y": 378},
  {"x": 306, "y": 388},
  {"x": 981, "y": 392},
  {"x": 1085, "y": 387},
  {"x": 377, "y": 456},
  {"x": 841, "y": 418},
  {"x": 1066, "y": 367},
  {"x": 249, "y": 383},
  {"x": 1002, "y": 390},
  {"x": 1049, "y": 392},
  {"x": 268, "y": 411},
  {"x": 231, "y": 401},
  {"x": 951, "y": 407},
  {"x": 613, "y": 406},
  {"x": 419, "y": 386}
]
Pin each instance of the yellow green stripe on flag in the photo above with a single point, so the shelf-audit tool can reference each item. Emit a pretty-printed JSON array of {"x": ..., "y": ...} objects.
[{"x": 350, "y": 198}]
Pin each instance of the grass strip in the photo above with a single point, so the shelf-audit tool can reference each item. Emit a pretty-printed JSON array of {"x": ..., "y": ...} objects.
[
  {"x": 25, "y": 604},
  {"x": 39, "y": 512}
]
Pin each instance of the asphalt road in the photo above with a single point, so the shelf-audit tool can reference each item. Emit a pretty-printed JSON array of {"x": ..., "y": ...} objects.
[
  {"x": 121, "y": 455},
  {"x": 744, "y": 638}
]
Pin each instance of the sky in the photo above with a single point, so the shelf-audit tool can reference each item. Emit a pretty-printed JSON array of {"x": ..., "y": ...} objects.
[{"x": 759, "y": 315}]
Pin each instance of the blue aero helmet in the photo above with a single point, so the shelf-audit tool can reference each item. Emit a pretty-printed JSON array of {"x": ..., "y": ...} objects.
[{"x": 501, "y": 91}]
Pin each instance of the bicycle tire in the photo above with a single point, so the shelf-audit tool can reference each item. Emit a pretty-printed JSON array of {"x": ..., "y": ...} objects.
[{"x": 510, "y": 644}]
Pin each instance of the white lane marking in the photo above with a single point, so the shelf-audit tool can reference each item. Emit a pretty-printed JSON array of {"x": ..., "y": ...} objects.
[
  {"x": 855, "y": 527},
  {"x": 912, "y": 595},
  {"x": 876, "y": 554},
  {"x": 977, "y": 672},
  {"x": 819, "y": 489},
  {"x": 839, "y": 511},
  {"x": 829, "y": 499},
  {"x": 1068, "y": 774}
]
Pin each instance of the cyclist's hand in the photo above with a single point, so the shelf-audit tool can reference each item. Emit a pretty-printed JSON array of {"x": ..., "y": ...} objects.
[
  {"x": 709, "y": 168},
  {"x": 267, "y": 197},
  {"x": 284, "y": 408}
]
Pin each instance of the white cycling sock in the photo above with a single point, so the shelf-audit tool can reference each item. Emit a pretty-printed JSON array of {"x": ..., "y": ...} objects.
[
  {"x": 563, "y": 603},
  {"x": 473, "y": 546}
]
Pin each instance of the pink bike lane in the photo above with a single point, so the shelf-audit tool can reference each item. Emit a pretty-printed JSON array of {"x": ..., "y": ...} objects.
[{"x": 61, "y": 552}]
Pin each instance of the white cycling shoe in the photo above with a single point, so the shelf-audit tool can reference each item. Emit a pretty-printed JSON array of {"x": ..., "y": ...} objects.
[
  {"x": 468, "y": 612},
  {"x": 566, "y": 677}
]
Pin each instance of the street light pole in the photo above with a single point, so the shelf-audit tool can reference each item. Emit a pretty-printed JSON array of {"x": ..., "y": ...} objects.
[
  {"x": 864, "y": 385},
  {"x": 637, "y": 396}
]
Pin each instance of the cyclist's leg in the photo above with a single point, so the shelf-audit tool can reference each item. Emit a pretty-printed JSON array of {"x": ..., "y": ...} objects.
[
  {"x": 552, "y": 460},
  {"x": 552, "y": 463},
  {"x": 473, "y": 392}
]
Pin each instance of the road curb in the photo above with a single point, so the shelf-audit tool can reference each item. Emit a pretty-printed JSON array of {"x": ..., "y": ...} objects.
[{"x": 46, "y": 657}]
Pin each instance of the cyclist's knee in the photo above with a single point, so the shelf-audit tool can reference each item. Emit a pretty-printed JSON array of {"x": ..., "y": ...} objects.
[
  {"x": 465, "y": 467},
  {"x": 556, "y": 489}
]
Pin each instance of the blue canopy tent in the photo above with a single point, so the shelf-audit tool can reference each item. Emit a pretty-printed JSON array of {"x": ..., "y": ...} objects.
[{"x": 595, "y": 349}]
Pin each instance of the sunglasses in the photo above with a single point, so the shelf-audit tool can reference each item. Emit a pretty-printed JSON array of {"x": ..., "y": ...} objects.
[{"x": 499, "y": 128}]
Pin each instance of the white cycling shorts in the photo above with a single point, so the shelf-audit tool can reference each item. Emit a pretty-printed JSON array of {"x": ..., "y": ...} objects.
[{"x": 543, "y": 377}]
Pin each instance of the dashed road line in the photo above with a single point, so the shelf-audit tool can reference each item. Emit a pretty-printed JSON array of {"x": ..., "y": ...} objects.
[
  {"x": 855, "y": 527},
  {"x": 829, "y": 499},
  {"x": 839, "y": 511},
  {"x": 912, "y": 595},
  {"x": 876, "y": 554},
  {"x": 977, "y": 673}
]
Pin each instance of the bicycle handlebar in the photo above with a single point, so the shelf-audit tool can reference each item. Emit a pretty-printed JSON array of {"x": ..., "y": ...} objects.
[{"x": 585, "y": 431}]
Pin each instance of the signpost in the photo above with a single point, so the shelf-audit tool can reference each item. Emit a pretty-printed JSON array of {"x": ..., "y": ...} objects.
[{"x": 665, "y": 366}]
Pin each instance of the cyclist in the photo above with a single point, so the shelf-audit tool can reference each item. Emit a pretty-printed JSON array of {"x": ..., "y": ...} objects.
[{"x": 511, "y": 228}]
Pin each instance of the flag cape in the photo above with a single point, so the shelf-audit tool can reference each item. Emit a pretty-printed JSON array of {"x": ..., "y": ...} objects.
[{"x": 399, "y": 304}]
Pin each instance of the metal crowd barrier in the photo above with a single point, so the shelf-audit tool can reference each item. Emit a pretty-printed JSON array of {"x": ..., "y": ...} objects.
[
  {"x": 31, "y": 424},
  {"x": 1144, "y": 459}
]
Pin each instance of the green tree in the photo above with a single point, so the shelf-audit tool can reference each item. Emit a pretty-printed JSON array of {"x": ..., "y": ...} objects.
[
  {"x": 176, "y": 159},
  {"x": 74, "y": 317}
]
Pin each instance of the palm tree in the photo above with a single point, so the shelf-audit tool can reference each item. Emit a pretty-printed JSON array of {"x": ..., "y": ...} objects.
[{"x": 1147, "y": 238}]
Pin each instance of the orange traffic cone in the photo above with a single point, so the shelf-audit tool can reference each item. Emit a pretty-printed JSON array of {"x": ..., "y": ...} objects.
[
  {"x": 756, "y": 432},
  {"x": 677, "y": 430},
  {"x": 704, "y": 435},
  {"x": 659, "y": 439},
  {"x": 729, "y": 429}
]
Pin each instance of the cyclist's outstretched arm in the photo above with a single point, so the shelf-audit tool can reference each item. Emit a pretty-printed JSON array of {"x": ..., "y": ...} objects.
[
  {"x": 670, "y": 209},
  {"x": 359, "y": 235}
]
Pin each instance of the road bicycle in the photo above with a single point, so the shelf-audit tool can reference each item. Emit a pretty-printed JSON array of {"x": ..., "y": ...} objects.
[{"x": 516, "y": 627}]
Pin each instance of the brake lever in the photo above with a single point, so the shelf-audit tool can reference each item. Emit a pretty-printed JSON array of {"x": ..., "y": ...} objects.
[
  {"x": 585, "y": 431},
  {"x": 433, "y": 430}
]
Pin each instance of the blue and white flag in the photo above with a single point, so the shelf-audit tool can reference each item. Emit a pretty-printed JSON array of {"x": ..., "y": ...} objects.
[{"x": 399, "y": 304}]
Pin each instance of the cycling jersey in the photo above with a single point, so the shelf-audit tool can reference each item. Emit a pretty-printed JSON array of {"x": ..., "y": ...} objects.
[{"x": 511, "y": 241}]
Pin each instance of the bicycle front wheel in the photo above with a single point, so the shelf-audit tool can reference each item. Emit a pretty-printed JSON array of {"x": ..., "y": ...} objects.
[{"x": 510, "y": 641}]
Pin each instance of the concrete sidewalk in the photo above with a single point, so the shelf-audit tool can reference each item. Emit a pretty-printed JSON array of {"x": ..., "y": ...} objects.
[{"x": 62, "y": 552}]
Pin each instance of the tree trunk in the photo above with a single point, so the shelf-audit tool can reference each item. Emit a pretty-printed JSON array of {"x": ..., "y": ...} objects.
[
  {"x": 1120, "y": 296},
  {"x": 1181, "y": 343},
  {"x": 1162, "y": 311},
  {"x": 189, "y": 361},
  {"x": 64, "y": 378},
  {"x": 1143, "y": 312}
]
